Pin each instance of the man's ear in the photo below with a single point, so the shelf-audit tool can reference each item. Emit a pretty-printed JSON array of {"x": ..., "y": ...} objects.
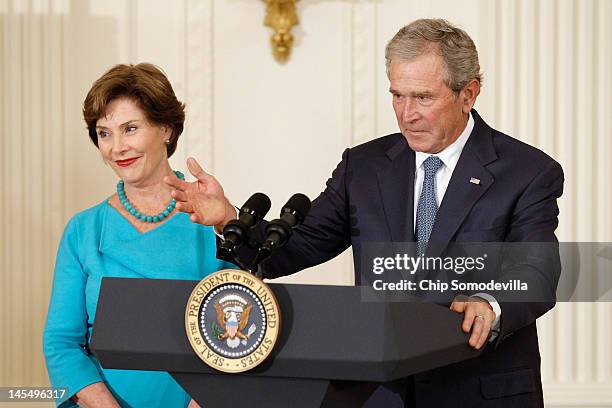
[{"x": 468, "y": 95}]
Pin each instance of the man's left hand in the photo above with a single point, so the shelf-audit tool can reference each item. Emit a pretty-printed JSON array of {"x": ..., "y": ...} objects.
[{"x": 478, "y": 318}]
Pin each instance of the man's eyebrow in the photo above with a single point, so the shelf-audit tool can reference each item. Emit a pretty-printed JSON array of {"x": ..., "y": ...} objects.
[
  {"x": 420, "y": 93},
  {"x": 411, "y": 93}
]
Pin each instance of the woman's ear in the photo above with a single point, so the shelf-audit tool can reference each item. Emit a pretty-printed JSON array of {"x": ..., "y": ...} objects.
[{"x": 166, "y": 132}]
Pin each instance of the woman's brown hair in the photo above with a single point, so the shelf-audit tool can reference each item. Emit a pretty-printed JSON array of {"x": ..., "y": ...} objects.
[{"x": 148, "y": 87}]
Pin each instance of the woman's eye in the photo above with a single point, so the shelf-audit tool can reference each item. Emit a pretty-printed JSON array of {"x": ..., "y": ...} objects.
[
  {"x": 102, "y": 134},
  {"x": 130, "y": 129}
]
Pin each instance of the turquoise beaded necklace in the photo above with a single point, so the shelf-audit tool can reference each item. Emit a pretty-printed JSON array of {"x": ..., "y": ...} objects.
[{"x": 137, "y": 214}]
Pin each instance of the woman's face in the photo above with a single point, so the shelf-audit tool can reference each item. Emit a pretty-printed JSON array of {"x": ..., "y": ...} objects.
[{"x": 132, "y": 146}]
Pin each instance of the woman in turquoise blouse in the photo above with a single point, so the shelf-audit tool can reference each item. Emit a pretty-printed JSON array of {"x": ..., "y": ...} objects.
[{"x": 135, "y": 120}]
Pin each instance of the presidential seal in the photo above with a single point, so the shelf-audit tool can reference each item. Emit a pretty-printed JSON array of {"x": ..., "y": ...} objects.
[{"x": 232, "y": 320}]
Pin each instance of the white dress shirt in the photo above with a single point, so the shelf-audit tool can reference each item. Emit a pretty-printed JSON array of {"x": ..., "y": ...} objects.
[{"x": 450, "y": 156}]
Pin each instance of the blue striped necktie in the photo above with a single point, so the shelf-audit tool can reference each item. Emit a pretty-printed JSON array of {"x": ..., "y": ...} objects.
[{"x": 428, "y": 204}]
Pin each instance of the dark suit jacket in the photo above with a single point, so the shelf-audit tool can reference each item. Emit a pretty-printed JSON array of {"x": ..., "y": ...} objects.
[{"x": 370, "y": 197}]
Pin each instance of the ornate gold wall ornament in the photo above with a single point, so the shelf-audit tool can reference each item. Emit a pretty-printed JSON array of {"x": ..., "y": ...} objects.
[{"x": 281, "y": 16}]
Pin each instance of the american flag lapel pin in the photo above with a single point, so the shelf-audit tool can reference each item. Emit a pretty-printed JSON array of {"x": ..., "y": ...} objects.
[{"x": 474, "y": 180}]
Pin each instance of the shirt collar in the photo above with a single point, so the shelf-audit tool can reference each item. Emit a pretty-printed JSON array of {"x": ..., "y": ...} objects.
[{"x": 450, "y": 155}]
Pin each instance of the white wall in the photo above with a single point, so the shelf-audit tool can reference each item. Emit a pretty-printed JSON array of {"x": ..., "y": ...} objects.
[{"x": 547, "y": 81}]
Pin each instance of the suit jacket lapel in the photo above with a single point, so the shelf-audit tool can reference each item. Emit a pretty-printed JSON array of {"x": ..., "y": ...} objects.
[
  {"x": 396, "y": 182},
  {"x": 461, "y": 194}
]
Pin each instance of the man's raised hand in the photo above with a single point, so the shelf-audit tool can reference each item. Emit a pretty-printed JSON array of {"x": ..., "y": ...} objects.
[{"x": 203, "y": 199}]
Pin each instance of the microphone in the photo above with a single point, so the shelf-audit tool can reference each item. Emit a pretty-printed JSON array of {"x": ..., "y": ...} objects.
[
  {"x": 236, "y": 231},
  {"x": 279, "y": 231}
]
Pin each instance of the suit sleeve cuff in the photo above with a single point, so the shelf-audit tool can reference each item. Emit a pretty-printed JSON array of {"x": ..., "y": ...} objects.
[{"x": 220, "y": 236}]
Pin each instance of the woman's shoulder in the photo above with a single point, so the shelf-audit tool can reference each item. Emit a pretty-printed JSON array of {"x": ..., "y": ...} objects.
[{"x": 89, "y": 217}]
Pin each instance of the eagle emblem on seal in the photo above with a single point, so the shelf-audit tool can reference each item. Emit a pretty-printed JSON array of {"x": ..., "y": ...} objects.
[{"x": 233, "y": 313}]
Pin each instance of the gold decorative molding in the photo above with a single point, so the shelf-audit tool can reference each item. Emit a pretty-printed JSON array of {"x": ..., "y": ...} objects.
[{"x": 281, "y": 16}]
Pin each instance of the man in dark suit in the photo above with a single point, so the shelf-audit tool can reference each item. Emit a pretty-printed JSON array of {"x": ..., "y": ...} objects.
[{"x": 447, "y": 177}]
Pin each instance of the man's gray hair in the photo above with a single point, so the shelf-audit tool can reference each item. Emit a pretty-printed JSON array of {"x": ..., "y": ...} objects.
[{"x": 438, "y": 36}]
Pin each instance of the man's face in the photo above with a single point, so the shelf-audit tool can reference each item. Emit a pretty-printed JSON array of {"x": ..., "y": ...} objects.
[{"x": 429, "y": 114}]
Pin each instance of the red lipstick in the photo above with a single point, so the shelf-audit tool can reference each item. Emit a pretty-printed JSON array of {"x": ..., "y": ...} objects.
[{"x": 126, "y": 162}]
